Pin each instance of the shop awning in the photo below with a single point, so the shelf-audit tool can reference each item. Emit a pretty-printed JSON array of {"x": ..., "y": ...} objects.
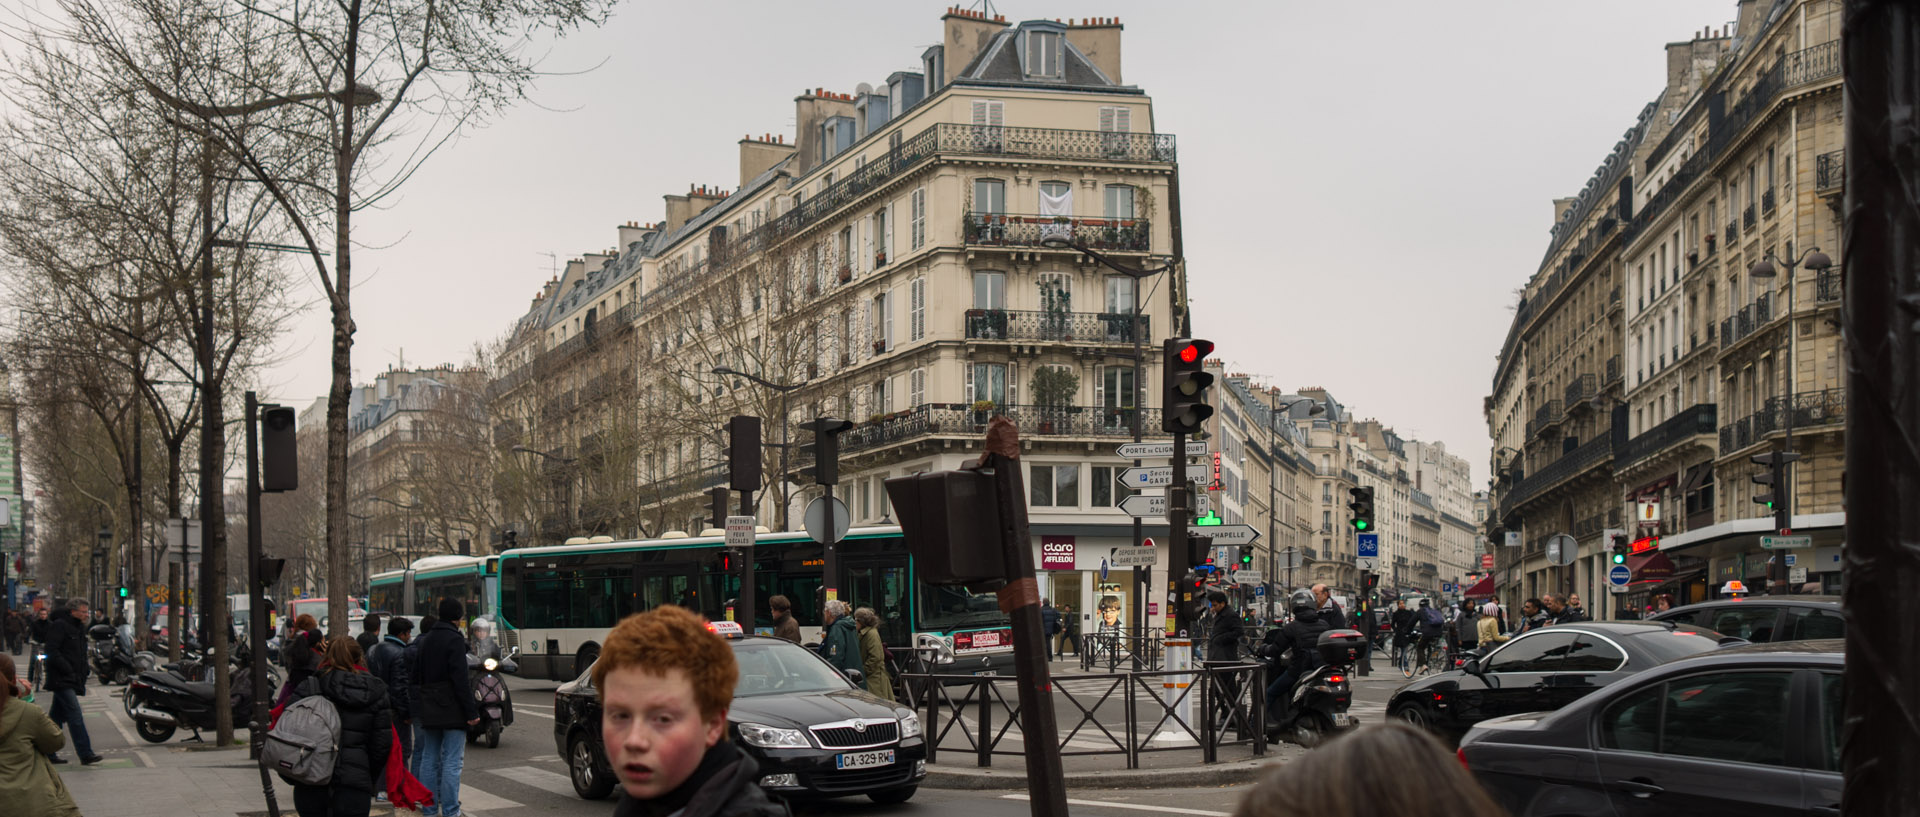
[
  {"x": 1483, "y": 589},
  {"x": 1651, "y": 566}
]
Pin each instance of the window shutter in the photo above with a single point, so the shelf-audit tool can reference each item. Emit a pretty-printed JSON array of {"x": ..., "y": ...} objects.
[
  {"x": 969, "y": 367},
  {"x": 886, "y": 318},
  {"x": 918, "y": 308},
  {"x": 1123, "y": 120},
  {"x": 1013, "y": 389},
  {"x": 987, "y": 112},
  {"x": 1099, "y": 385},
  {"x": 893, "y": 386}
]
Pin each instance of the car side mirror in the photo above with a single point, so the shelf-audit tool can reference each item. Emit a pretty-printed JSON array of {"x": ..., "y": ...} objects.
[
  {"x": 858, "y": 678},
  {"x": 1472, "y": 667}
]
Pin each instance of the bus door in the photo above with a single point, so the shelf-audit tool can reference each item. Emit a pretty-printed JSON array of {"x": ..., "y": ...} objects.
[
  {"x": 881, "y": 585},
  {"x": 658, "y": 583}
]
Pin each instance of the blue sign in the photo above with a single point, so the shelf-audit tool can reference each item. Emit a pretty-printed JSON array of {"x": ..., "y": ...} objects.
[
  {"x": 1619, "y": 576},
  {"x": 1259, "y": 591},
  {"x": 1448, "y": 587},
  {"x": 1369, "y": 545}
]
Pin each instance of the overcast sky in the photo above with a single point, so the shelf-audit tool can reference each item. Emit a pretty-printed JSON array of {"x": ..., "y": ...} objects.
[{"x": 1364, "y": 183}]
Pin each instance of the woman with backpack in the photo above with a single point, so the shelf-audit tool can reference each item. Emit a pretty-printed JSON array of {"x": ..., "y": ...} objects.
[{"x": 366, "y": 736}]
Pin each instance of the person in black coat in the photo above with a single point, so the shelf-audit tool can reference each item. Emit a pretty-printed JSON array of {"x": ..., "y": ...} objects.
[
  {"x": 1223, "y": 642},
  {"x": 1302, "y": 636},
  {"x": 67, "y": 676},
  {"x": 366, "y": 735},
  {"x": 1050, "y": 625},
  {"x": 443, "y": 706},
  {"x": 387, "y": 662},
  {"x": 403, "y": 672}
]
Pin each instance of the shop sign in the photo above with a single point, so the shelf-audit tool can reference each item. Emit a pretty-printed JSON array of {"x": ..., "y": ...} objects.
[
  {"x": 1649, "y": 513},
  {"x": 1056, "y": 553}
]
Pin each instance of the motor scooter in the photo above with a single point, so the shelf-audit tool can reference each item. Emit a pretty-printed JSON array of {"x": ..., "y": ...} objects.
[
  {"x": 1319, "y": 699},
  {"x": 490, "y": 692},
  {"x": 114, "y": 659},
  {"x": 160, "y": 701}
]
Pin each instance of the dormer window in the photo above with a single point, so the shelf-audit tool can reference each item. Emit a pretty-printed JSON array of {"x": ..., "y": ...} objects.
[{"x": 1042, "y": 54}]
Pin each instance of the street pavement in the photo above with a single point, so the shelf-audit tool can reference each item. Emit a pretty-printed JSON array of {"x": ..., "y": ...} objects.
[{"x": 525, "y": 775}]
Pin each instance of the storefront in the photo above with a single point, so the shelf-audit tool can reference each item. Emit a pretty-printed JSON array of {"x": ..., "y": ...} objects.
[
  {"x": 1076, "y": 570},
  {"x": 1731, "y": 551}
]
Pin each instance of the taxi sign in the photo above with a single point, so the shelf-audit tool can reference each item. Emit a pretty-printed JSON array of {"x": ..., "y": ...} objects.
[{"x": 726, "y": 629}]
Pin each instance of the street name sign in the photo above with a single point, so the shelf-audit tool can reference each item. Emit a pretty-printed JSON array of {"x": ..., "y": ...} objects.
[
  {"x": 1144, "y": 505},
  {"x": 1147, "y": 477},
  {"x": 1136, "y": 451},
  {"x": 1226, "y": 534},
  {"x": 1246, "y": 577},
  {"x": 1133, "y": 557},
  {"x": 1782, "y": 542},
  {"x": 739, "y": 531}
]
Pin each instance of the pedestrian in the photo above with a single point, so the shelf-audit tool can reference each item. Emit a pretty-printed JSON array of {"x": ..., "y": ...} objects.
[
  {"x": 444, "y": 708},
  {"x": 873, "y": 653},
  {"x": 1662, "y": 603},
  {"x": 1561, "y": 611},
  {"x": 1489, "y": 631},
  {"x": 410, "y": 658},
  {"x": 67, "y": 677},
  {"x": 784, "y": 624},
  {"x": 36, "y": 644},
  {"x": 301, "y": 655},
  {"x": 665, "y": 683},
  {"x": 1533, "y": 616},
  {"x": 369, "y": 633},
  {"x": 28, "y": 739},
  {"x": 1468, "y": 628},
  {"x": 1302, "y": 636},
  {"x": 1384, "y": 769},
  {"x": 366, "y": 735},
  {"x": 1050, "y": 625},
  {"x": 1329, "y": 609},
  {"x": 386, "y": 664},
  {"x": 1223, "y": 637},
  {"x": 1492, "y": 610},
  {"x": 16, "y": 632},
  {"x": 841, "y": 646},
  {"x": 1070, "y": 629}
]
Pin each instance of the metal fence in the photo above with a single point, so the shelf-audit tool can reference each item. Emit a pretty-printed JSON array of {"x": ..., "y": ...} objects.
[
  {"x": 978, "y": 715},
  {"x": 1135, "y": 648}
]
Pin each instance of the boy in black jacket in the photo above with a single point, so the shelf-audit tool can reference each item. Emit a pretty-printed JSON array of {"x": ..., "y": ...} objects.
[{"x": 665, "y": 685}]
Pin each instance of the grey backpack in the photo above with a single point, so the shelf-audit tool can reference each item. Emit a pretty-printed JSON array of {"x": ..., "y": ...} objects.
[{"x": 305, "y": 742}]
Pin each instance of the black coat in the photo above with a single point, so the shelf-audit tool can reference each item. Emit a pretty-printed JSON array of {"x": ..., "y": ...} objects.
[
  {"x": 302, "y": 656},
  {"x": 1049, "y": 620},
  {"x": 723, "y": 785},
  {"x": 67, "y": 654},
  {"x": 365, "y": 726},
  {"x": 1223, "y": 644},
  {"x": 388, "y": 663},
  {"x": 442, "y": 659},
  {"x": 1335, "y": 617}
]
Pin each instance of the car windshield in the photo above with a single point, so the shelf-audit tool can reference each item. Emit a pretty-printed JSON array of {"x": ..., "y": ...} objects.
[
  {"x": 1677, "y": 643},
  {"x": 955, "y": 608},
  {"x": 782, "y": 668}
]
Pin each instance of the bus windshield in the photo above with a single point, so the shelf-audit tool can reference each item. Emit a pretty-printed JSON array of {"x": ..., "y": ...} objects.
[{"x": 958, "y": 608}]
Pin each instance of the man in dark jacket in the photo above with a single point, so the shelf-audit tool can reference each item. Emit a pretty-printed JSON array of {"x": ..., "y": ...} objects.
[
  {"x": 385, "y": 664},
  {"x": 784, "y": 626},
  {"x": 841, "y": 647},
  {"x": 443, "y": 705},
  {"x": 362, "y": 703},
  {"x": 1302, "y": 635},
  {"x": 1329, "y": 609},
  {"x": 1223, "y": 639},
  {"x": 67, "y": 677},
  {"x": 403, "y": 670},
  {"x": 369, "y": 634},
  {"x": 1050, "y": 626}
]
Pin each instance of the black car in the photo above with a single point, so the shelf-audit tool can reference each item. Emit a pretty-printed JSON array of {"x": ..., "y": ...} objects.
[
  {"x": 1765, "y": 618},
  {"x": 1749, "y": 731},
  {"x": 813, "y": 732},
  {"x": 1543, "y": 670}
]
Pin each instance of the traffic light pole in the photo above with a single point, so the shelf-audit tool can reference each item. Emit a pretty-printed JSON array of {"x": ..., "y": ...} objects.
[
  {"x": 1178, "y": 512},
  {"x": 257, "y": 606}
]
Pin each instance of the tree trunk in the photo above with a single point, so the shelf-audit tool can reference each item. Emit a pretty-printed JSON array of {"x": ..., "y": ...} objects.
[
  {"x": 213, "y": 457},
  {"x": 338, "y": 557}
]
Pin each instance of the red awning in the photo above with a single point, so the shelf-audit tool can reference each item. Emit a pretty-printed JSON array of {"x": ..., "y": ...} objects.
[
  {"x": 1480, "y": 590},
  {"x": 1651, "y": 566}
]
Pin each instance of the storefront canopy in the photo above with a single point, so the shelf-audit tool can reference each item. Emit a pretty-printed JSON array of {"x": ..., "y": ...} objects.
[
  {"x": 1651, "y": 566},
  {"x": 1483, "y": 589}
]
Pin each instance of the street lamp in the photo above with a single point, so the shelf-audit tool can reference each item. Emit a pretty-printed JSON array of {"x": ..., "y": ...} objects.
[
  {"x": 1763, "y": 269},
  {"x": 99, "y": 566},
  {"x": 785, "y": 390},
  {"x": 566, "y": 507}
]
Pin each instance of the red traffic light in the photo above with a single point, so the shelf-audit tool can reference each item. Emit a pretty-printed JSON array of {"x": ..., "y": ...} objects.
[{"x": 1195, "y": 350}]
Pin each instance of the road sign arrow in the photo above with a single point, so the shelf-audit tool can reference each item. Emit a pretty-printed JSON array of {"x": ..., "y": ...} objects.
[
  {"x": 1134, "y": 451},
  {"x": 1144, "y": 505},
  {"x": 1226, "y": 534}
]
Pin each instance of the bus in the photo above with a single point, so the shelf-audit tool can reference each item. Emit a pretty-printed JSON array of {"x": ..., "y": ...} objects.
[
  {"x": 557, "y": 602},
  {"x": 417, "y": 589}
]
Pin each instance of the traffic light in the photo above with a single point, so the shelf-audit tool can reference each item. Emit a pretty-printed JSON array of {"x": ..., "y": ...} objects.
[
  {"x": 1195, "y": 579},
  {"x": 1774, "y": 479},
  {"x": 717, "y": 507},
  {"x": 1246, "y": 557},
  {"x": 743, "y": 453},
  {"x": 279, "y": 450},
  {"x": 123, "y": 592},
  {"x": 826, "y": 449},
  {"x": 1210, "y": 519},
  {"x": 952, "y": 525},
  {"x": 1362, "y": 507},
  {"x": 1183, "y": 404},
  {"x": 1619, "y": 548}
]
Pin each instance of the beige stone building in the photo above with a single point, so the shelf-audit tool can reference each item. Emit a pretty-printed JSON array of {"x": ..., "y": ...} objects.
[{"x": 398, "y": 463}]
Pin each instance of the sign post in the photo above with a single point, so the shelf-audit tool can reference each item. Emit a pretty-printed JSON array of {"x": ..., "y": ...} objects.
[
  {"x": 1617, "y": 578},
  {"x": 1367, "y": 552}
]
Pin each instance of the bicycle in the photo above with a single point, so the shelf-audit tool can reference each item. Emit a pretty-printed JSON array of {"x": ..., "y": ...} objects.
[{"x": 1403, "y": 656}]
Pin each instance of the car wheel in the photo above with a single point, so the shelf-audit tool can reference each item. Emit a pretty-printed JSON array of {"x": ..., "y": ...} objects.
[
  {"x": 892, "y": 796},
  {"x": 588, "y": 782},
  {"x": 153, "y": 731},
  {"x": 1413, "y": 715}
]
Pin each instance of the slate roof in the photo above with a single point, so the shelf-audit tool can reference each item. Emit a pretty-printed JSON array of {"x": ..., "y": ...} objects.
[{"x": 999, "y": 64}]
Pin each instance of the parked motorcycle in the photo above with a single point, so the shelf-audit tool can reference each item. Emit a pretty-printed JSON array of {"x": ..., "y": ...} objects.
[
  {"x": 1320, "y": 697},
  {"x": 114, "y": 659},
  {"x": 490, "y": 692},
  {"x": 160, "y": 701}
]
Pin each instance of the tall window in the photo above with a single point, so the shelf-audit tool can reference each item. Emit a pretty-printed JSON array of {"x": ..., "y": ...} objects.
[
  {"x": 919, "y": 217},
  {"x": 917, "y": 306},
  {"x": 1115, "y": 122},
  {"x": 987, "y": 381},
  {"x": 1055, "y": 486},
  {"x": 989, "y": 290},
  {"x": 882, "y": 236},
  {"x": 1043, "y": 54},
  {"x": 1120, "y": 294},
  {"x": 1105, "y": 490},
  {"x": 989, "y": 196},
  {"x": 916, "y": 388},
  {"x": 882, "y": 322},
  {"x": 988, "y": 118},
  {"x": 1119, "y": 201}
]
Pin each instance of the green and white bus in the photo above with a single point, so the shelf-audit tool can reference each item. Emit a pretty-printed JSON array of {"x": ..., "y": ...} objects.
[
  {"x": 418, "y": 588},
  {"x": 557, "y": 603}
]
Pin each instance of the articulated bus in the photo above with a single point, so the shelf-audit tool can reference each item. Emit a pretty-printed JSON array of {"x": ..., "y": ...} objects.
[
  {"x": 418, "y": 589},
  {"x": 557, "y": 603}
]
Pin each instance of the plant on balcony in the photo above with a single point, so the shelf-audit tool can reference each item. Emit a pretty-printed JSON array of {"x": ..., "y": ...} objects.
[
  {"x": 879, "y": 347},
  {"x": 1054, "y": 388},
  {"x": 846, "y": 274},
  {"x": 880, "y": 259},
  {"x": 982, "y": 405},
  {"x": 1056, "y": 306},
  {"x": 989, "y": 324}
]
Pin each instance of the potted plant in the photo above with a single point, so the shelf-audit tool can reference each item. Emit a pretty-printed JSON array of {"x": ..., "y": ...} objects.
[
  {"x": 983, "y": 405},
  {"x": 879, "y": 347},
  {"x": 1056, "y": 303},
  {"x": 880, "y": 259},
  {"x": 846, "y": 274},
  {"x": 1054, "y": 388}
]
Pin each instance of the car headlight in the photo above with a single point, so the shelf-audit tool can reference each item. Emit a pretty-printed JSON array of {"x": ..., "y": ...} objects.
[
  {"x": 771, "y": 737},
  {"x": 491, "y": 663},
  {"x": 909, "y": 725}
]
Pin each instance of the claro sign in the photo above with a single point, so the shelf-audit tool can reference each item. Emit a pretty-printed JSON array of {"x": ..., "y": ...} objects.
[{"x": 1056, "y": 553}]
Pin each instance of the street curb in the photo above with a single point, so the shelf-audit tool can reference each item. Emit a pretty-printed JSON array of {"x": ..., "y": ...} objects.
[{"x": 967, "y": 778}]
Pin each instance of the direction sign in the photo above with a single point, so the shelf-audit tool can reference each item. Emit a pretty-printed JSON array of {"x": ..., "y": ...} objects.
[
  {"x": 1226, "y": 534},
  {"x": 1135, "y": 451},
  {"x": 1247, "y": 577},
  {"x": 1133, "y": 557},
  {"x": 1562, "y": 549},
  {"x": 1368, "y": 545},
  {"x": 1780, "y": 542},
  {"x": 1367, "y": 563},
  {"x": 739, "y": 531},
  {"x": 1619, "y": 575},
  {"x": 1144, "y": 505},
  {"x": 1146, "y": 477}
]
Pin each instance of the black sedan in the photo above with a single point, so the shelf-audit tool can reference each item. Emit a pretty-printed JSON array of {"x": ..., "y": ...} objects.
[
  {"x": 1543, "y": 670},
  {"x": 1765, "y": 618},
  {"x": 813, "y": 732},
  {"x": 1751, "y": 731}
]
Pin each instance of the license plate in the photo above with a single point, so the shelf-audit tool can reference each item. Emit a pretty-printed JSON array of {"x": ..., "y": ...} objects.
[
  {"x": 1339, "y": 719},
  {"x": 864, "y": 760},
  {"x": 988, "y": 672}
]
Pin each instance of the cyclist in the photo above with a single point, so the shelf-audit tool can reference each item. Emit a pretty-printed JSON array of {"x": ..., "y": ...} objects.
[
  {"x": 1433, "y": 627},
  {"x": 1402, "y": 630}
]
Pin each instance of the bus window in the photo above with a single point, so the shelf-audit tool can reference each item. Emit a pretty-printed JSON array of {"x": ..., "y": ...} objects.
[
  {"x": 957, "y": 608},
  {"x": 884, "y": 588},
  {"x": 657, "y": 590},
  {"x": 803, "y": 590}
]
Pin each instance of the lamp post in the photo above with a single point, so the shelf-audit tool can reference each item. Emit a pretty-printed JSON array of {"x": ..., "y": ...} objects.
[
  {"x": 1060, "y": 241},
  {"x": 99, "y": 568},
  {"x": 1763, "y": 269},
  {"x": 785, "y": 390},
  {"x": 1273, "y": 447},
  {"x": 566, "y": 507}
]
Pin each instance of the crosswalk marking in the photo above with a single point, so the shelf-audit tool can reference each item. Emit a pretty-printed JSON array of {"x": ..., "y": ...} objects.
[
  {"x": 1128, "y": 806},
  {"x": 472, "y": 798},
  {"x": 542, "y": 779}
]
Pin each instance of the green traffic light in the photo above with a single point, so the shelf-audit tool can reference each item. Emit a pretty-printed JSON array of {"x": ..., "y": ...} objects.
[
  {"x": 1359, "y": 524},
  {"x": 1619, "y": 559}
]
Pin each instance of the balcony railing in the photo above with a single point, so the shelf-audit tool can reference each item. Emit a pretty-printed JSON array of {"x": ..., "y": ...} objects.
[
  {"x": 1812, "y": 409},
  {"x": 1813, "y": 64},
  {"x": 961, "y": 419},
  {"x": 1751, "y": 318},
  {"x": 1733, "y": 233},
  {"x": 1830, "y": 170},
  {"x": 1613, "y": 368},
  {"x": 1573, "y": 463},
  {"x": 1613, "y": 299},
  {"x": 1766, "y": 201},
  {"x": 1686, "y": 425},
  {"x": 1009, "y": 230},
  {"x": 1747, "y": 219},
  {"x": 1826, "y": 286},
  {"x": 1546, "y": 416},
  {"x": 1580, "y": 390},
  {"x": 1066, "y": 327}
]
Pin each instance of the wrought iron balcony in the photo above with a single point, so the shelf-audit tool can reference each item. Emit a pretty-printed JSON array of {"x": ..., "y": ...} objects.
[
  {"x": 1571, "y": 464},
  {"x": 1812, "y": 64},
  {"x": 1766, "y": 201},
  {"x": 1580, "y": 390},
  {"x": 1747, "y": 219},
  {"x": 962, "y": 419},
  {"x": 1733, "y": 233},
  {"x": 1012, "y": 230},
  {"x": 1546, "y": 416},
  {"x": 1814, "y": 409},
  {"x": 1826, "y": 287},
  {"x": 1048, "y": 325},
  {"x": 1696, "y": 421},
  {"x": 1830, "y": 170},
  {"x": 1613, "y": 368}
]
